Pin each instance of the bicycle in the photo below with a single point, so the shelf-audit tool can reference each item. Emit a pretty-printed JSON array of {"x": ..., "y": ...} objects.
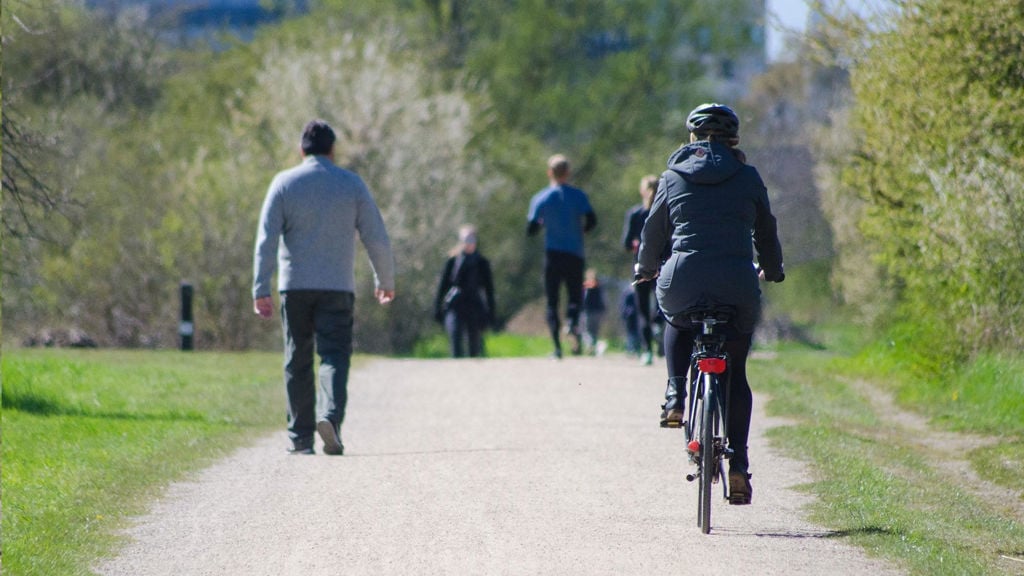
[{"x": 706, "y": 425}]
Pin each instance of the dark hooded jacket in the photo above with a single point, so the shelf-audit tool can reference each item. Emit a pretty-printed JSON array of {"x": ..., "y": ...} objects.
[
  {"x": 471, "y": 273},
  {"x": 713, "y": 210}
]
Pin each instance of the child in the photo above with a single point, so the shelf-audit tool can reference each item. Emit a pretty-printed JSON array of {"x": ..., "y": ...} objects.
[{"x": 593, "y": 311}]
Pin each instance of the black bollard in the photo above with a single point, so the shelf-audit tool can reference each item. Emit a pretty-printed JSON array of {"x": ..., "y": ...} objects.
[{"x": 186, "y": 328}]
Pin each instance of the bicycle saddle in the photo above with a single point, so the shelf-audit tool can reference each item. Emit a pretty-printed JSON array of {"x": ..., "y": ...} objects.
[{"x": 720, "y": 312}]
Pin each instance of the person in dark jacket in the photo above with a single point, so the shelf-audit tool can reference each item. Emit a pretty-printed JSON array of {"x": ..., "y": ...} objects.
[
  {"x": 708, "y": 205},
  {"x": 635, "y": 218},
  {"x": 465, "y": 296}
]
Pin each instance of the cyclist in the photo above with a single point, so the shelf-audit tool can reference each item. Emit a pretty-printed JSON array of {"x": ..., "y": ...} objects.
[{"x": 708, "y": 204}]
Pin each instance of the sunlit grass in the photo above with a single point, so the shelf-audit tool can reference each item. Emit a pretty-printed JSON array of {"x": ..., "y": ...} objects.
[
  {"x": 496, "y": 345},
  {"x": 88, "y": 435},
  {"x": 875, "y": 486}
]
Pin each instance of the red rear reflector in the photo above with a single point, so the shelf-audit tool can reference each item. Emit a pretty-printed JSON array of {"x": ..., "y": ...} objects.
[
  {"x": 711, "y": 365},
  {"x": 693, "y": 446}
]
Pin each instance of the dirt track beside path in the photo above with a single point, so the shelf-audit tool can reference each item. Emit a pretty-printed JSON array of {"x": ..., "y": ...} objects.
[{"x": 517, "y": 466}]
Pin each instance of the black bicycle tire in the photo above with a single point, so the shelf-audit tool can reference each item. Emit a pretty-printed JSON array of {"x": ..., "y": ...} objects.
[
  {"x": 721, "y": 433},
  {"x": 694, "y": 432},
  {"x": 708, "y": 470}
]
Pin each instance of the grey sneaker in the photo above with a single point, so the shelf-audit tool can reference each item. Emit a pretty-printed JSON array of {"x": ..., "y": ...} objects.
[
  {"x": 304, "y": 446},
  {"x": 329, "y": 434}
]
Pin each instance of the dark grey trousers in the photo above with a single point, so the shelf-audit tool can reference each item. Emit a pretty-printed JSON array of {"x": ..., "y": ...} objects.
[
  {"x": 460, "y": 327},
  {"x": 322, "y": 318}
]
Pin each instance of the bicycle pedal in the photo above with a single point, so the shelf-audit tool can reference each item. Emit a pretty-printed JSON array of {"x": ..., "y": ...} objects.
[{"x": 671, "y": 424}]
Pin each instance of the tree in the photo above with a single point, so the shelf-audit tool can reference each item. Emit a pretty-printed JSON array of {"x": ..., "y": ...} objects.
[
  {"x": 407, "y": 138},
  {"x": 606, "y": 82},
  {"x": 936, "y": 167},
  {"x": 59, "y": 100},
  {"x": 447, "y": 109}
]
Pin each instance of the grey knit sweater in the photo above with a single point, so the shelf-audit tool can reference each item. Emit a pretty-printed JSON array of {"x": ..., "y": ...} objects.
[{"x": 308, "y": 227}]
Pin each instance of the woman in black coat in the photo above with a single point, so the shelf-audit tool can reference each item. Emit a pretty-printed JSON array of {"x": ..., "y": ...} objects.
[
  {"x": 465, "y": 296},
  {"x": 709, "y": 205},
  {"x": 635, "y": 218}
]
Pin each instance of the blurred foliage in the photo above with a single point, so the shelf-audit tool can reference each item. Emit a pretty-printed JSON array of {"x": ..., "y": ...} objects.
[
  {"x": 161, "y": 153},
  {"x": 928, "y": 187}
]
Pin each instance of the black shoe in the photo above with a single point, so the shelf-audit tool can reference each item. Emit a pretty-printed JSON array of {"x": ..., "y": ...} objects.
[
  {"x": 740, "y": 490},
  {"x": 329, "y": 434},
  {"x": 304, "y": 446},
  {"x": 672, "y": 418}
]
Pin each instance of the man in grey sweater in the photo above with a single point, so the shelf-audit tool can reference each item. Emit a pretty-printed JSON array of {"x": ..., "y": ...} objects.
[{"x": 307, "y": 231}]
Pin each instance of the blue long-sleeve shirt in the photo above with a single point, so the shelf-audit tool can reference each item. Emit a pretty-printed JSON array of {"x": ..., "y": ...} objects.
[
  {"x": 308, "y": 226},
  {"x": 561, "y": 210}
]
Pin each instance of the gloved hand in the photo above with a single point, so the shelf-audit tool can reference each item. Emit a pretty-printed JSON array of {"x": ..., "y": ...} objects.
[{"x": 639, "y": 276}]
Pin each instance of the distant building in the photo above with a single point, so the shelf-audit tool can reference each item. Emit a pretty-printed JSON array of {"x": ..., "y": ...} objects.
[
  {"x": 192, "y": 19},
  {"x": 737, "y": 56}
]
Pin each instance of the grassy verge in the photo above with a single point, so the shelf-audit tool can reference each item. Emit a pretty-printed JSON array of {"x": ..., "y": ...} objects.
[
  {"x": 89, "y": 435},
  {"x": 500, "y": 345},
  {"x": 876, "y": 486},
  {"x": 984, "y": 397}
]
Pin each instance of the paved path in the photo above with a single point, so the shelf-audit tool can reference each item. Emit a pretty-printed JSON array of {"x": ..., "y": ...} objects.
[{"x": 519, "y": 466}]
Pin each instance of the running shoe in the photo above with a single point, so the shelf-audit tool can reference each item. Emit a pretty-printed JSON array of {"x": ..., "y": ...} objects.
[
  {"x": 304, "y": 446},
  {"x": 329, "y": 434}
]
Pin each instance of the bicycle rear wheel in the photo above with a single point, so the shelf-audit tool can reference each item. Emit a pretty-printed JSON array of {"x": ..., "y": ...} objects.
[
  {"x": 708, "y": 467},
  {"x": 694, "y": 435}
]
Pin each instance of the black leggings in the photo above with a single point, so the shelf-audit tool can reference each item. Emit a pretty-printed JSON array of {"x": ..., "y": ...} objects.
[
  {"x": 679, "y": 347},
  {"x": 562, "y": 267}
]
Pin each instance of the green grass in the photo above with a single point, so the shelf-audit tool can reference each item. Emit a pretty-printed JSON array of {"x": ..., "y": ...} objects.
[
  {"x": 873, "y": 485},
  {"x": 1002, "y": 464},
  {"x": 88, "y": 436},
  {"x": 496, "y": 345},
  {"x": 984, "y": 397}
]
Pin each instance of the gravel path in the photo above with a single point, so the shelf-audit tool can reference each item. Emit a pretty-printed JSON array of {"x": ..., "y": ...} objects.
[{"x": 519, "y": 466}]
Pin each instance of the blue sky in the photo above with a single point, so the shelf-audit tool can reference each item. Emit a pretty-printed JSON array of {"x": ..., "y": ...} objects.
[{"x": 791, "y": 14}]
